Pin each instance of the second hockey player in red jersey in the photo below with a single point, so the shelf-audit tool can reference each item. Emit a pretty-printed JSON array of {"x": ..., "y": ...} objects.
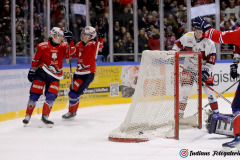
[
  {"x": 86, "y": 51},
  {"x": 230, "y": 37}
]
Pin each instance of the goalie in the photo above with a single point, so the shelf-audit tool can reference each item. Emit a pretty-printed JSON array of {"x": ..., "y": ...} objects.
[{"x": 194, "y": 41}]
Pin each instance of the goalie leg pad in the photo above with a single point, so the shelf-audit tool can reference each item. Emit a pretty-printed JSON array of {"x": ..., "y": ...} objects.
[{"x": 221, "y": 124}]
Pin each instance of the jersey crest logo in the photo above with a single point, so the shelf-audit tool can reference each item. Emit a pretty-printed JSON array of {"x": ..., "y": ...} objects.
[{"x": 54, "y": 56}]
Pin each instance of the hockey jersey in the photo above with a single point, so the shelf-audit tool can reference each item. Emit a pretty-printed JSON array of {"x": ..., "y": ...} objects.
[
  {"x": 205, "y": 46},
  {"x": 50, "y": 58},
  {"x": 86, "y": 56},
  {"x": 230, "y": 37}
]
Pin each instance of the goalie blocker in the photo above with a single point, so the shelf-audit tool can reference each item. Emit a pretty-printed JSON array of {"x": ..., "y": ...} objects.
[{"x": 220, "y": 124}]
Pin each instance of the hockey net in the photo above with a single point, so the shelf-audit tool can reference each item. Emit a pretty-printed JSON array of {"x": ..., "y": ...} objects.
[{"x": 165, "y": 79}]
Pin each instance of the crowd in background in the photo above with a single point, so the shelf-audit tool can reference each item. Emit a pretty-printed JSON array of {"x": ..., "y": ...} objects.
[{"x": 175, "y": 20}]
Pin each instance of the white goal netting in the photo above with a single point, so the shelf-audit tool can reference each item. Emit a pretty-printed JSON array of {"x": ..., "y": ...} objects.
[{"x": 168, "y": 84}]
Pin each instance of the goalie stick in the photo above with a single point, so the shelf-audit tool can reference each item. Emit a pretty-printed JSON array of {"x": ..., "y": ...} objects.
[{"x": 220, "y": 95}]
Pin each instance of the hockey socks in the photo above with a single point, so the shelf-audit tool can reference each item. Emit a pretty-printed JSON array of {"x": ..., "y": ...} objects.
[{"x": 72, "y": 111}]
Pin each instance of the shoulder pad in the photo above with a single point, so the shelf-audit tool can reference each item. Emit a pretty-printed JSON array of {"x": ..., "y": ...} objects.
[{"x": 43, "y": 44}]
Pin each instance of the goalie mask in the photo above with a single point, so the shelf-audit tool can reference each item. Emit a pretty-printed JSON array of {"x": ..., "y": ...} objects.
[
  {"x": 57, "y": 35},
  {"x": 90, "y": 32}
]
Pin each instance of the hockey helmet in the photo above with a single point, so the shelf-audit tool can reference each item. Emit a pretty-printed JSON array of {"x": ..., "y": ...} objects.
[
  {"x": 90, "y": 31},
  {"x": 58, "y": 32}
]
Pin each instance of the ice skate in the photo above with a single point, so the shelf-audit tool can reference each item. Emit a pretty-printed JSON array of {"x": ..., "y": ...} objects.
[
  {"x": 26, "y": 119},
  {"x": 47, "y": 122},
  {"x": 234, "y": 144},
  {"x": 69, "y": 115}
]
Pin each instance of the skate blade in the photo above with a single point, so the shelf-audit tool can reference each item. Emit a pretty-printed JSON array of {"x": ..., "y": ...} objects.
[
  {"x": 69, "y": 119},
  {"x": 43, "y": 125},
  {"x": 228, "y": 149},
  {"x": 25, "y": 125}
]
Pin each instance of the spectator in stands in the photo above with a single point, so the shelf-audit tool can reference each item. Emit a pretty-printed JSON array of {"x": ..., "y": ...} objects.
[
  {"x": 170, "y": 38},
  {"x": 19, "y": 41},
  {"x": 7, "y": 44},
  {"x": 125, "y": 17},
  {"x": 153, "y": 39},
  {"x": 172, "y": 22},
  {"x": 142, "y": 41},
  {"x": 227, "y": 25},
  {"x": 116, "y": 30},
  {"x": 129, "y": 43},
  {"x": 200, "y": 2},
  {"x": 232, "y": 9},
  {"x": 223, "y": 7}
]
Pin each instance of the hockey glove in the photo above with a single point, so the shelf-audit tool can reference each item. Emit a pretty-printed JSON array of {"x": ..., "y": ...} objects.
[
  {"x": 200, "y": 22},
  {"x": 233, "y": 71},
  {"x": 205, "y": 75},
  {"x": 31, "y": 75},
  {"x": 68, "y": 36},
  {"x": 101, "y": 32}
]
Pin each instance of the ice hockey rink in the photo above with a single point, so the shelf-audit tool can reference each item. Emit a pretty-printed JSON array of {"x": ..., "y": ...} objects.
[{"x": 86, "y": 138}]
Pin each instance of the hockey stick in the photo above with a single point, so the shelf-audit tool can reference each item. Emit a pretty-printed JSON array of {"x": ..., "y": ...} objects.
[
  {"x": 223, "y": 92},
  {"x": 102, "y": 23},
  {"x": 220, "y": 95},
  {"x": 70, "y": 62}
]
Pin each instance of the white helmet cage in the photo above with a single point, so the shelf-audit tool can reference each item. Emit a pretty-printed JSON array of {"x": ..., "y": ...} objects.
[
  {"x": 56, "y": 31},
  {"x": 90, "y": 31}
]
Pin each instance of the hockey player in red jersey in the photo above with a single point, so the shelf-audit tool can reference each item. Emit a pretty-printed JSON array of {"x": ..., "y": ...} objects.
[
  {"x": 46, "y": 72},
  {"x": 230, "y": 37},
  {"x": 86, "y": 51}
]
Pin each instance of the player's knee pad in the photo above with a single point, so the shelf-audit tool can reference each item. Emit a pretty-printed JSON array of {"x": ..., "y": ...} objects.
[
  {"x": 34, "y": 97},
  {"x": 73, "y": 97},
  {"x": 37, "y": 87},
  {"x": 53, "y": 87}
]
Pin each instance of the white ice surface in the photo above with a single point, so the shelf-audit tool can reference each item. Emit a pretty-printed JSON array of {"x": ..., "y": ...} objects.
[{"x": 86, "y": 138}]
